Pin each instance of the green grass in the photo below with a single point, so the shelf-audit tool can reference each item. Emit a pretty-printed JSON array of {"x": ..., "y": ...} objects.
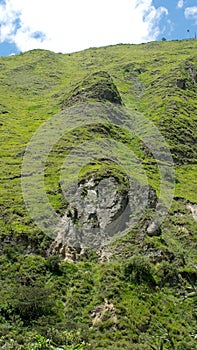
[{"x": 154, "y": 312}]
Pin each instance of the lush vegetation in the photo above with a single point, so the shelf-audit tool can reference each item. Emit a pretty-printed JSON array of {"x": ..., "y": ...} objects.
[{"x": 139, "y": 292}]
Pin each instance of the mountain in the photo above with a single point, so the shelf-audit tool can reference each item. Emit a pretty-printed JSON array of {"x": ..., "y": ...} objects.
[{"x": 98, "y": 198}]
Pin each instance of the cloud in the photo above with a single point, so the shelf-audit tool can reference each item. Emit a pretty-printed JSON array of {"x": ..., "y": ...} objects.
[
  {"x": 191, "y": 12},
  {"x": 180, "y": 4},
  {"x": 73, "y": 25}
]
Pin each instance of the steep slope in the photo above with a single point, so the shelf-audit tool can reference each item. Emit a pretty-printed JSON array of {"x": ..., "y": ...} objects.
[{"x": 107, "y": 120}]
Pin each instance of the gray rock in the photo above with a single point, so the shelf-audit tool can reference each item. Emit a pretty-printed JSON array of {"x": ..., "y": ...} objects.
[
  {"x": 87, "y": 221},
  {"x": 99, "y": 212},
  {"x": 154, "y": 228},
  {"x": 181, "y": 83}
]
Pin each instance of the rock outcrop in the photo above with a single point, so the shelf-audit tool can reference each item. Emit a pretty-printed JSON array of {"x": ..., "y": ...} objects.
[
  {"x": 98, "y": 86},
  {"x": 193, "y": 209},
  {"x": 190, "y": 77},
  {"x": 101, "y": 211},
  {"x": 92, "y": 215},
  {"x": 99, "y": 313}
]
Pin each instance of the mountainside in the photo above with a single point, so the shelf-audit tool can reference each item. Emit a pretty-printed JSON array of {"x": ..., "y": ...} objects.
[{"x": 99, "y": 198}]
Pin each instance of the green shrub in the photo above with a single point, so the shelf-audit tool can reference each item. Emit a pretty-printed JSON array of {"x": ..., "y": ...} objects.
[
  {"x": 32, "y": 302},
  {"x": 53, "y": 264},
  {"x": 168, "y": 274},
  {"x": 138, "y": 270}
]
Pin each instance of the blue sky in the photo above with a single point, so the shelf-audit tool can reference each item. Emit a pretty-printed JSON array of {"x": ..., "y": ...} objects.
[
  {"x": 181, "y": 19},
  {"x": 73, "y": 25}
]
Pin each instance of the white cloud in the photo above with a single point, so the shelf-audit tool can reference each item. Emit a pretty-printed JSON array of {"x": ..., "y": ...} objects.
[
  {"x": 180, "y": 4},
  {"x": 191, "y": 12},
  {"x": 169, "y": 28},
  {"x": 72, "y": 25}
]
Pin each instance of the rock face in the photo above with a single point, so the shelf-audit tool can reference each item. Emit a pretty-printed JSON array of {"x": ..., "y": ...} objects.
[
  {"x": 99, "y": 212},
  {"x": 91, "y": 215},
  {"x": 98, "y": 86}
]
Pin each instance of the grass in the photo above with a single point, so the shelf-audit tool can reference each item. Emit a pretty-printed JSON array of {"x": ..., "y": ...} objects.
[{"x": 146, "y": 313}]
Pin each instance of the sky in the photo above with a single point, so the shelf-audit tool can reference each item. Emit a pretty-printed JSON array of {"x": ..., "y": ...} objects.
[{"x": 72, "y": 25}]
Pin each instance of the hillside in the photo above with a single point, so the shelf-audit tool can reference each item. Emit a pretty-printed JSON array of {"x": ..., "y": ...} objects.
[{"x": 99, "y": 198}]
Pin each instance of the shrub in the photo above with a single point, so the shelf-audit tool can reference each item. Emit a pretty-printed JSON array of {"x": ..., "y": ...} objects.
[
  {"x": 138, "y": 270},
  {"x": 31, "y": 302}
]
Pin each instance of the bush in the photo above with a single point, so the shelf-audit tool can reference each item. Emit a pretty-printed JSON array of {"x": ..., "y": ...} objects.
[
  {"x": 138, "y": 270},
  {"x": 53, "y": 264},
  {"x": 31, "y": 302},
  {"x": 168, "y": 274}
]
